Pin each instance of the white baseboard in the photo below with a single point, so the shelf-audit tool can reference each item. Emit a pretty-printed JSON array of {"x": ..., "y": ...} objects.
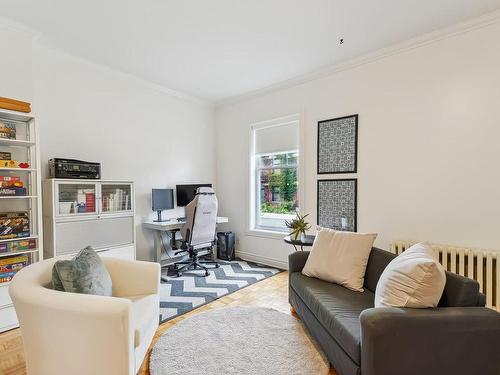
[{"x": 245, "y": 255}]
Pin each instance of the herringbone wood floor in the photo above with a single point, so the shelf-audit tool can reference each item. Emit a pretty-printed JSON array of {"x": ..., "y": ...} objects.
[{"x": 271, "y": 292}]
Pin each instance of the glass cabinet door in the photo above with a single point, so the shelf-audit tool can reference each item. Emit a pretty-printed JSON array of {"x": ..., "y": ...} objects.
[
  {"x": 116, "y": 198},
  {"x": 76, "y": 198}
]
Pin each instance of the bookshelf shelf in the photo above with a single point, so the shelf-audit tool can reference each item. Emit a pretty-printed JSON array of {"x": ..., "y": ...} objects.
[
  {"x": 19, "y": 239},
  {"x": 16, "y": 142},
  {"x": 24, "y": 147},
  {"x": 17, "y": 169},
  {"x": 20, "y": 252},
  {"x": 20, "y": 197}
]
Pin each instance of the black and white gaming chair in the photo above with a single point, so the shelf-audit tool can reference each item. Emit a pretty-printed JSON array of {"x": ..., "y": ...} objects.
[{"x": 199, "y": 231}]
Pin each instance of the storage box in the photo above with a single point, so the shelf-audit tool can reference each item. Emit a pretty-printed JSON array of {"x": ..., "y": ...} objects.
[
  {"x": 7, "y": 130},
  {"x": 12, "y": 191},
  {"x": 10, "y": 178},
  {"x": 8, "y": 163},
  {"x": 9, "y": 184},
  {"x": 14, "y": 246},
  {"x": 14, "y": 225},
  {"x": 9, "y": 266},
  {"x": 4, "y": 155}
]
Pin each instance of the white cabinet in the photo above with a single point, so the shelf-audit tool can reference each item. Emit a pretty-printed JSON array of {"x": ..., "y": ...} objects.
[
  {"x": 80, "y": 213},
  {"x": 20, "y": 195}
]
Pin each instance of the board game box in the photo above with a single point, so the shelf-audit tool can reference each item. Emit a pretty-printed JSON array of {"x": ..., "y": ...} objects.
[{"x": 14, "y": 225}]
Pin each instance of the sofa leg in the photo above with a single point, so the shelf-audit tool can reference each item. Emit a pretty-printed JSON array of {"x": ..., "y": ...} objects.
[{"x": 292, "y": 310}]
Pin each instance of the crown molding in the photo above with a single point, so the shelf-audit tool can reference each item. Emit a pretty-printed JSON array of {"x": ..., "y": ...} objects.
[
  {"x": 8, "y": 24},
  {"x": 41, "y": 43},
  {"x": 413, "y": 43},
  {"x": 38, "y": 41}
]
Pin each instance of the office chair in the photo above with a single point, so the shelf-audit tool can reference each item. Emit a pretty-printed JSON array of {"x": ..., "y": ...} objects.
[{"x": 199, "y": 231}]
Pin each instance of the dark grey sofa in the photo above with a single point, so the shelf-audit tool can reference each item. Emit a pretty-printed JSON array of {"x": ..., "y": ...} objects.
[{"x": 461, "y": 336}]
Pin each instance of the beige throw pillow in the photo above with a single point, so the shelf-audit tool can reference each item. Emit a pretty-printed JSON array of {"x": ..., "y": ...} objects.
[
  {"x": 340, "y": 257},
  {"x": 412, "y": 279}
]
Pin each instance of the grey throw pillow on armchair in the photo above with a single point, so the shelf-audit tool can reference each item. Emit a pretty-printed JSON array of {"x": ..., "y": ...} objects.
[{"x": 85, "y": 273}]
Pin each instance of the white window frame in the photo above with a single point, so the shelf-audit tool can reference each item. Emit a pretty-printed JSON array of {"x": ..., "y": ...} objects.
[{"x": 253, "y": 202}]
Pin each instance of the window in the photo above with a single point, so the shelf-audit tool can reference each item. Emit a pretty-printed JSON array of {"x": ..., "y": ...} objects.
[{"x": 274, "y": 174}]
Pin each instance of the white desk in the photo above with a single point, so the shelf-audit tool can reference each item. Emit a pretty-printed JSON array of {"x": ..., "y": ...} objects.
[{"x": 169, "y": 226}]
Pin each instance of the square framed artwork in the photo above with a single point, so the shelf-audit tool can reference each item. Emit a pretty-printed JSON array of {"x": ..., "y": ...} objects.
[
  {"x": 338, "y": 145},
  {"x": 337, "y": 204}
]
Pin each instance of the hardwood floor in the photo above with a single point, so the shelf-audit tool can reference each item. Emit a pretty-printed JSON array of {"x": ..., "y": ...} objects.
[{"x": 271, "y": 292}]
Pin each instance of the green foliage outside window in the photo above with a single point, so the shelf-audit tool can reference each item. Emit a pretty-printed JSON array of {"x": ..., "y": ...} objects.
[
  {"x": 288, "y": 184},
  {"x": 282, "y": 208}
]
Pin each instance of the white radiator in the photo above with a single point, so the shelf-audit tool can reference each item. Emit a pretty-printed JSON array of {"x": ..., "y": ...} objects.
[{"x": 480, "y": 265}]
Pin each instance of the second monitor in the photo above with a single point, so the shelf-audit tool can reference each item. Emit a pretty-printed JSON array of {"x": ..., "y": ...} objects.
[{"x": 186, "y": 193}]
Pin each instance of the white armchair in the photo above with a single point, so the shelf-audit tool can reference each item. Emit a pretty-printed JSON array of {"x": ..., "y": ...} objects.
[{"x": 68, "y": 333}]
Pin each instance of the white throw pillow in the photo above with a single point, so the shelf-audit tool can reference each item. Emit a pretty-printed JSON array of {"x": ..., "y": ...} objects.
[
  {"x": 412, "y": 279},
  {"x": 340, "y": 257}
]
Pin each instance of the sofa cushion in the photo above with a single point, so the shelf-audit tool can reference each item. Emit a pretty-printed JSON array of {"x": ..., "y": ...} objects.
[
  {"x": 144, "y": 314},
  {"x": 340, "y": 257},
  {"x": 337, "y": 309},
  {"x": 459, "y": 291},
  {"x": 413, "y": 279}
]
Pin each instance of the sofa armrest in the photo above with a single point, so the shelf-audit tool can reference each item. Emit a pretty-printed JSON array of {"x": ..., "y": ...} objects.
[
  {"x": 297, "y": 261},
  {"x": 451, "y": 340},
  {"x": 133, "y": 277}
]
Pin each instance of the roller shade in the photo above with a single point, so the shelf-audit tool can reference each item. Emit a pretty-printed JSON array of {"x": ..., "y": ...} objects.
[{"x": 277, "y": 138}]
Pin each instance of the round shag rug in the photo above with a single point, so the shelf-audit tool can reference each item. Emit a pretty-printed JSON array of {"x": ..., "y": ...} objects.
[{"x": 237, "y": 340}]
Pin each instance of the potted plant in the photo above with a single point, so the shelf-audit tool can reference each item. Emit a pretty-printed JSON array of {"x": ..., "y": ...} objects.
[{"x": 298, "y": 226}]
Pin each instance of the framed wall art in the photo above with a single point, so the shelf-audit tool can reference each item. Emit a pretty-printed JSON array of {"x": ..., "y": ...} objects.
[
  {"x": 337, "y": 204},
  {"x": 338, "y": 145}
]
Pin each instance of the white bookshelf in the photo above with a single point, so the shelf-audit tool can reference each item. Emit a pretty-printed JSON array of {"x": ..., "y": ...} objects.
[{"x": 25, "y": 148}]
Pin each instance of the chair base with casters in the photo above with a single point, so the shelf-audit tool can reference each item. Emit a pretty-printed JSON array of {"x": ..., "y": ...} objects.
[{"x": 194, "y": 263}]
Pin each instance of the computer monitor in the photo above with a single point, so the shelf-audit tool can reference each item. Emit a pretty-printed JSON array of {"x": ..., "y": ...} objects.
[
  {"x": 186, "y": 193},
  {"x": 162, "y": 199}
]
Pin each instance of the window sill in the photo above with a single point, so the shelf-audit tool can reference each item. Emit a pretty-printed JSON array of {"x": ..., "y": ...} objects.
[{"x": 266, "y": 233}]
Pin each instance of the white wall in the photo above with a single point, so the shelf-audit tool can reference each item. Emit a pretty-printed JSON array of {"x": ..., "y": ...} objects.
[
  {"x": 140, "y": 132},
  {"x": 135, "y": 130},
  {"x": 15, "y": 64},
  {"x": 428, "y": 144}
]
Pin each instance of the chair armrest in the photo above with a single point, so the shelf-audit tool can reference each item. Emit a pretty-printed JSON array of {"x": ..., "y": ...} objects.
[
  {"x": 84, "y": 334},
  {"x": 450, "y": 340},
  {"x": 297, "y": 261},
  {"x": 133, "y": 277}
]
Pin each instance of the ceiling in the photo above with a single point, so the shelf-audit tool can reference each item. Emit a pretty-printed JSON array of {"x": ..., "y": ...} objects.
[{"x": 218, "y": 49}]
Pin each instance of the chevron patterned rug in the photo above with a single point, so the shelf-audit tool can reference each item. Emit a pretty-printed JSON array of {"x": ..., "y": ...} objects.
[{"x": 180, "y": 295}]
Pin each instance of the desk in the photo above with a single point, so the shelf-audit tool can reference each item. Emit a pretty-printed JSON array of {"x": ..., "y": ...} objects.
[{"x": 169, "y": 227}]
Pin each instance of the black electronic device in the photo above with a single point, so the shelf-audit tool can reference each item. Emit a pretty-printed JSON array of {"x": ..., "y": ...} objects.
[
  {"x": 162, "y": 199},
  {"x": 74, "y": 169},
  {"x": 186, "y": 193}
]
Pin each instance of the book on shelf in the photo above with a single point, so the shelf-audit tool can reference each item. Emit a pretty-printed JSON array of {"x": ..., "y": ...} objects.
[{"x": 117, "y": 201}]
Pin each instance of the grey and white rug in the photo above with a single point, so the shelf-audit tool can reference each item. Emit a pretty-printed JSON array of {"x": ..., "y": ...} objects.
[
  {"x": 182, "y": 294},
  {"x": 237, "y": 341}
]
